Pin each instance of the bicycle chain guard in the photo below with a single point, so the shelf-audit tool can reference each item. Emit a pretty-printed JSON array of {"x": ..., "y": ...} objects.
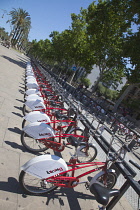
[
  {"x": 56, "y": 146},
  {"x": 63, "y": 181}
]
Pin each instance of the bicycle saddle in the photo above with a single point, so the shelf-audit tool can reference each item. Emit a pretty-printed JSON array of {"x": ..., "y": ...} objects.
[
  {"x": 60, "y": 116},
  {"x": 55, "y": 104},
  {"x": 102, "y": 194},
  {"x": 48, "y": 93},
  {"x": 42, "y": 86},
  {"x": 75, "y": 142}
]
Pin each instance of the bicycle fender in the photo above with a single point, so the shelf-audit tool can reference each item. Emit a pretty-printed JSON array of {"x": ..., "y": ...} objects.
[
  {"x": 32, "y": 85},
  {"x": 37, "y": 116},
  {"x": 39, "y": 130},
  {"x": 94, "y": 179},
  {"x": 35, "y": 104},
  {"x": 33, "y": 97},
  {"x": 45, "y": 166},
  {"x": 33, "y": 91}
]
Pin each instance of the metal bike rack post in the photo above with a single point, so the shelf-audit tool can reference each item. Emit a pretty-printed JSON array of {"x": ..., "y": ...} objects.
[
  {"x": 113, "y": 202},
  {"x": 132, "y": 143},
  {"x": 129, "y": 182}
]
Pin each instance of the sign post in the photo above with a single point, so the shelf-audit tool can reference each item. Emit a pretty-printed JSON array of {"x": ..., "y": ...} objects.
[{"x": 74, "y": 68}]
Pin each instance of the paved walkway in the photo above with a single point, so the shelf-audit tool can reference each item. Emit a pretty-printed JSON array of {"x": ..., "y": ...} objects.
[{"x": 13, "y": 155}]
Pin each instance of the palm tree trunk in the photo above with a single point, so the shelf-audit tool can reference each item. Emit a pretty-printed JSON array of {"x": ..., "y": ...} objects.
[
  {"x": 17, "y": 34},
  {"x": 19, "y": 37}
]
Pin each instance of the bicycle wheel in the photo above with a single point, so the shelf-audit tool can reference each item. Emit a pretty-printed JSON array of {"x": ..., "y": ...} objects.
[
  {"x": 87, "y": 154},
  {"x": 24, "y": 123},
  {"x": 108, "y": 179},
  {"x": 33, "y": 185},
  {"x": 25, "y": 110},
  {"x": 24, "y": 95},
  {"x": 77, "y": 131},
  {"x": 32, "y": 144}
]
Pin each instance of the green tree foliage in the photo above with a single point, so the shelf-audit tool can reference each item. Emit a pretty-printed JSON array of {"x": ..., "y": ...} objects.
[
  {"x": 100, "y": 35},
  {"x": 106, "y": 28},
  {"x": 131, "y": 44},
  {"x": 134, "y": 104},
  {"x": 101, "y": 89},
  {"x": 72, "y": 43},
  {"x": 132, "y": 52},
  {"x": 108, "y": 93},
  {"x": 3, "y": 34},
  {"x": 41, "y": 50},
  {"x": 80, "y": 50},
  {"x": 85, "y": 81}
]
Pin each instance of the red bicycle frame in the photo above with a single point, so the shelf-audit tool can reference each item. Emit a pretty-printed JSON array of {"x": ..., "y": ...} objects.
[
  {"x": 58, "y": 145},
  {"x": 71, "y": 181}
]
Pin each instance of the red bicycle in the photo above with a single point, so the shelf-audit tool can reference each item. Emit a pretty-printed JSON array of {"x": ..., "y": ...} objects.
[
  {"x": 45, "y": 173},
  {"x": 38, "y": 137}
]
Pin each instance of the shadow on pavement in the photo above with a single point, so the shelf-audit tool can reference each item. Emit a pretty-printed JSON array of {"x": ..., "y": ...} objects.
[
  {"x": 21, "y": 91},
  {"x": 16, "y": 146},
  {"x": 20, "y": 108},
  {"x": 15, "y": 130},
  {"x": 72, "y": 197},
  {"x": 23, "y": 149},
  {"x": 20, "y": 115},
  {"x": 13, "y": 186},
  {"x": 19, "y": 63},
  {"x": 20, "y": 100},
  {"x": 22, "y": 59},
  {"x": 22, "y": 87},
  {"x": 22, "y": 84}
]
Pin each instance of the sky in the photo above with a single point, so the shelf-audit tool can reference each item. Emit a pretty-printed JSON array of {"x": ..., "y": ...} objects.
[{"x": 46, "y": 15}]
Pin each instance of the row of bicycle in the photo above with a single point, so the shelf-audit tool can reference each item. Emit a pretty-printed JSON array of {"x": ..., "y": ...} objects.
[
  {"x": 48, "y": 124},
  {"x": 125, "y": 128}
]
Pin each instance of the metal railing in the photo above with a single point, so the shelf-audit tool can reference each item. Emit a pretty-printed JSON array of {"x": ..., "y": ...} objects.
[{"x": 122, "y": 167}]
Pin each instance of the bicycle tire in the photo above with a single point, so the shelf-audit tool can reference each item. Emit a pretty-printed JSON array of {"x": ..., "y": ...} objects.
[
  {"x": 108, "y": 179},
  {"x": 24, "y": 96},
  {"x": 24, "y": 123},
  {"x": 27, "y": 141},
  {"x": 32, "y": 186},
  {"x": 77, "y": 131},
  {"x": 25, "y": 110},
  {"x": 91, "y": 154},
  {"x": 25, "y": 87}
]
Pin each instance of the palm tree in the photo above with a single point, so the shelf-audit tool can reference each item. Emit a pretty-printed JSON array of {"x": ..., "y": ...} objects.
[{"x": 21, "y": 21}]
